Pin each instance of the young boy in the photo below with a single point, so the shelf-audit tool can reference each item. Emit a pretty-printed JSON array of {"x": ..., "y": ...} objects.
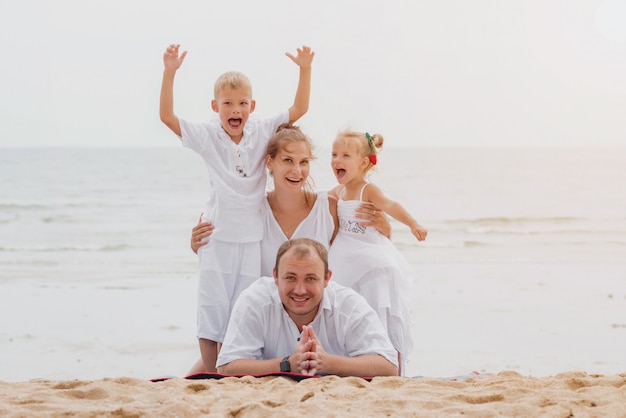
[{"x": 233, "y": 147}]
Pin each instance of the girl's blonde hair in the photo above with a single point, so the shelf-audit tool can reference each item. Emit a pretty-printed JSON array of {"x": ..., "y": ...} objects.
[
  {"x": 368, "y": 145},
  {"x": 233, "y": 80}
]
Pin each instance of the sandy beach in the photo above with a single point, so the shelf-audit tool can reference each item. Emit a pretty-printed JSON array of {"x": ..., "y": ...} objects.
[{"x": 571, "y": 394}]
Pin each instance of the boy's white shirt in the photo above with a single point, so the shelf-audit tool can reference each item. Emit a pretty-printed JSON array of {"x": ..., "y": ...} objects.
[{"x": 235, "y": 202}]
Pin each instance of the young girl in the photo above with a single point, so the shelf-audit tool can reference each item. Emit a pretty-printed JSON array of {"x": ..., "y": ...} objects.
[{"x": 361, "y": 257}]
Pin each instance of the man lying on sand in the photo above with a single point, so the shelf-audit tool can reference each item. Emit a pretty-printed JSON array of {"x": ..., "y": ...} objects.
[{"x": 299, "y": 322}]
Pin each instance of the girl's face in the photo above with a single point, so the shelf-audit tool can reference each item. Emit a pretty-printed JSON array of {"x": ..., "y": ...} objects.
[
  {"x": 346, "y": 161},
  {"x": 290, "y": 167}
]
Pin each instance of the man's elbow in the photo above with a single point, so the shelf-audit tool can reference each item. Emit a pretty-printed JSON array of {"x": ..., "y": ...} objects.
[
  {"x": 224, "y": 369},
  {"x": 386, "y": 368},
  {"x": 391, "y": 370},
  {"x": 376, "y": 365},
  {"x": 234, "y": 367}
]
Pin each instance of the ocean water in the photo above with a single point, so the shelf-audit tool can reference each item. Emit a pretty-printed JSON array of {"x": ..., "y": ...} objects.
[{"x": 524, "y": 267}]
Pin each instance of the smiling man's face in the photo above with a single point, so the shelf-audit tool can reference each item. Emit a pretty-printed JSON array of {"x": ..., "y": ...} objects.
[{"x": 301, "y": 281}]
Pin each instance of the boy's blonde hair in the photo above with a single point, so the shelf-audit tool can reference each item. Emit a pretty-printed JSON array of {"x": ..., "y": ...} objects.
[
  {"x": 232, "y": 80},
  {"x": 368, "y": 145}
]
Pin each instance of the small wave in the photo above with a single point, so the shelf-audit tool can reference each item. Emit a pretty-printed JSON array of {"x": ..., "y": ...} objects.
[
  {"x": 77, "y": 248},
  {"x": 94, "y": 203},
  {"x": 515, "y": 220},
  {"x": 534, "y": 226},
  {"x": 541, "y": 231},
  {"x": 22, "y": 206},
  {"x": 474, "y": 244},
  {"x": 441, "y": 244},
  {"x": 29, "y": 263},
  {"x": 75, "y": 218}
]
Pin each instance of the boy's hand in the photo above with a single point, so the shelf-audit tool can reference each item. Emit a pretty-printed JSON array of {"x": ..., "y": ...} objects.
[
  {"x": 171, "y": 59},
  {"x": 304, "y": 57}
]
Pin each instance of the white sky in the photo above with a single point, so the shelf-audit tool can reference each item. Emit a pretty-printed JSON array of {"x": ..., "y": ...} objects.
[{"x": 423, "y": 73}]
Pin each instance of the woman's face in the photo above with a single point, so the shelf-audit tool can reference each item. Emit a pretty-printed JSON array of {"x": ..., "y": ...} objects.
[{"x": 290, "y": 167}]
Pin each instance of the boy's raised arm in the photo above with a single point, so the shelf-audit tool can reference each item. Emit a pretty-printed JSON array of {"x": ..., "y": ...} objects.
[
  {"x": 303, "y": 93},
  {"x": 172, "y": 62}
]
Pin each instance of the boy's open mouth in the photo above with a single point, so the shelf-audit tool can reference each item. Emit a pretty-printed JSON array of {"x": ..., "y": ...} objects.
[{"x": 234, "y": 123}]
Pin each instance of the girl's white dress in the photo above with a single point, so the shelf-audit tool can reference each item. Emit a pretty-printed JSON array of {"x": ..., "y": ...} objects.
[{"x": 365, "y": 260}]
